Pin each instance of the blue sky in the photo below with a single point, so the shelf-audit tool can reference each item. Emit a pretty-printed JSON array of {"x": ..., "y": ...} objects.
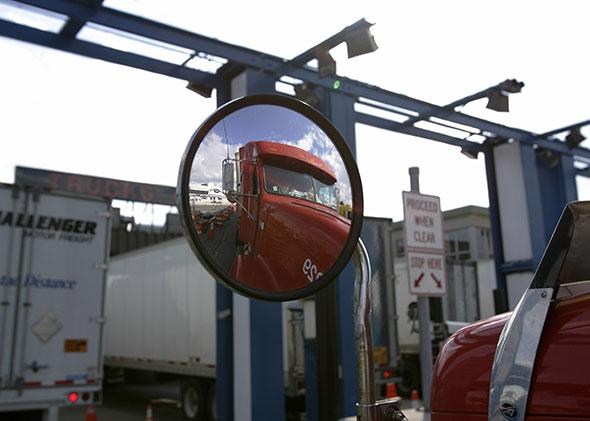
[{"x": 265, "y": 122}]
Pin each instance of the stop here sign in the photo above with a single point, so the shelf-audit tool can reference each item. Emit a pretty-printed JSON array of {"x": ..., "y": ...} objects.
[{"x": 427, "y": 274}]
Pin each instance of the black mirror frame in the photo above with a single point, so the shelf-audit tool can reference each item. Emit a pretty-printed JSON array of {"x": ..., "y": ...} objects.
[{"x": 183, "y": 203}]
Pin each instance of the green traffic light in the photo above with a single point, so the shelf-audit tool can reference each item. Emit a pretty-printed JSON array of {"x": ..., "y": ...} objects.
[{"x": 336, "y": 85}]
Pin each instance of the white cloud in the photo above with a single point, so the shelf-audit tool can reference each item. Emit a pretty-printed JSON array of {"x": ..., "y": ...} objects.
[
  {"x": 318, "y": 143},
  {"x": 212, "y": 151}
]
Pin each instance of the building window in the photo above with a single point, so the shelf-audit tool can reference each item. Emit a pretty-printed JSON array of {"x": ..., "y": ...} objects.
[
  {"x": 484, "y": 243},
  {"x": 457, "y": 245}
]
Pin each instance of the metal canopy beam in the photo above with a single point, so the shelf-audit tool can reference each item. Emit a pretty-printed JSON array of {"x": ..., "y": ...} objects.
[
  {"x": 566, "y": 128},
  {"x": 158, "y": 31},
  {"x": 88, "y": 49},
  {"x": 449, "y": 108},
  {"x": 273, "y": 64},
  {"x": 73, "y": 26},
  {"x": 386, "y": 124}
]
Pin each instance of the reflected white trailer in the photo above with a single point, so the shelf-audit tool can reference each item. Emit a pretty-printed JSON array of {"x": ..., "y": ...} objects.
[{"x": 53, "y": 254}]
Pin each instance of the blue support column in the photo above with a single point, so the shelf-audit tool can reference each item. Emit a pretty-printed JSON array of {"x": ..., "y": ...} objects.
[
  {"x": 495, "y": 225},
  {"x": 224, "y": 350},
  {"x": 311, "y": 379},
  {"x": 333, "y": 352},
  {"x": 550, "y": 185},
  {"x": 250, "y": 343},
  {"x": 266, "y": 361},
  {"x": 342, "y": 116},
  {"x": 534, "y": 200},
  {"x": 224, "y": 384}
]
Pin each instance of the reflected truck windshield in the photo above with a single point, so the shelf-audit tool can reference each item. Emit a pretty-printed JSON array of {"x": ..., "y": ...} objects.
[{"x": 286, "y": 182}]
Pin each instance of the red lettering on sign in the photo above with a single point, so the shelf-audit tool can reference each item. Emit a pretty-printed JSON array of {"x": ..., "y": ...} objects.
[
  {"x": 436, "y": 280},
  {"x": 55, "y": 179},
  {"x": 417, "y": 262},
  {"x": 93, "y": 186},
  {"x": 147, "y": 193},
  {"x": 74, "y": 184},
  {"x": 423, "y": 205},
  {"x": 111, "y": 188},
  {"x": 127, "y": 190},
  {"x": 425, "y": 221},
  {"x": 435, "y": 263},
  {"x": 417, "y": 281},
  {"x": 424, "y": 237}
]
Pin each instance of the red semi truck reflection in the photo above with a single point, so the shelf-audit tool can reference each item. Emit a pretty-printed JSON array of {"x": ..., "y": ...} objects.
[{"x": 289, "y": 228}]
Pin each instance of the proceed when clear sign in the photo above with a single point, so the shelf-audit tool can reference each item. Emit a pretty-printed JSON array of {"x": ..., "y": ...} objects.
[{"x": 424, "y": 243}]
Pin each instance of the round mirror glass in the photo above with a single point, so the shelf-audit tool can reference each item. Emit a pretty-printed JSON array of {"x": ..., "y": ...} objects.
[{"x": 270, "y": 197}]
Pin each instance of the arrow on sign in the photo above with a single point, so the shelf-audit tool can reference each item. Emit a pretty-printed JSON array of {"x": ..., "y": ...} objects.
[
  {"x": 417, "y": 281},
  {"x": 438, "y": 282}
]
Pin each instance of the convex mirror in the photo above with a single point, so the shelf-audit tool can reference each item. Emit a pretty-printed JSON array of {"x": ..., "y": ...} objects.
[{"x": 270, "y": 197}]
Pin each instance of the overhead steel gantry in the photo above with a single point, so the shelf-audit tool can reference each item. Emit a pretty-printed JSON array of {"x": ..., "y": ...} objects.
[
  {"x": 527, "y": 190},
  {"x": 80, "y": 13}
]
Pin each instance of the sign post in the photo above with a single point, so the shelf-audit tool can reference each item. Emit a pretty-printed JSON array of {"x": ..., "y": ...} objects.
[{"x": 424, "y": 245}]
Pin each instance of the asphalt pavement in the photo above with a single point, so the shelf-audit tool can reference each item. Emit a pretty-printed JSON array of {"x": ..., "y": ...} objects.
[{"x": 128, "y": 402}]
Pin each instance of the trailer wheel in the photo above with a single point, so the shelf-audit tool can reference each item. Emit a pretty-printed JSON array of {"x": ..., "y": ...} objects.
[{"x": 192, "y": 401}]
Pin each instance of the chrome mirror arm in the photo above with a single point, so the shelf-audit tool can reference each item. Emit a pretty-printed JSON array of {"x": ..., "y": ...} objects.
[{"x": 369, "y": 409}]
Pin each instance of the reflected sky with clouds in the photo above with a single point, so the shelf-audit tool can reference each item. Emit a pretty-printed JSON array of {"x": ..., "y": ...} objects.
[{"x": 265, "y": 122}]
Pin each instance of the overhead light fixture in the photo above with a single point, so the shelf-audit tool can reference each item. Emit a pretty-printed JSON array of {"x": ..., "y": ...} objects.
[
  {"x": 498, "y": 101},
  {"x": 326, "y": 64},
  {"x": 512, "y": 86},
  {"x": 305, "y": 92},
  {"x": 360, "y": 41},
  {"x": 470, "y": 151},
  {"x": 574, "y": 138},
  {"x": 550, "y": 158},
  {"x": 202, "y": 90},
  {"x": 498, "y": 96}
]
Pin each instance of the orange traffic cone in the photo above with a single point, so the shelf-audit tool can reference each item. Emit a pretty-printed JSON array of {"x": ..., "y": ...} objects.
[
  {"x": 415, "y": 399},
  {"x": 390, "y": 390},
  {"x": 148, "y": 413},
  {"x": 90, "y": 413}
]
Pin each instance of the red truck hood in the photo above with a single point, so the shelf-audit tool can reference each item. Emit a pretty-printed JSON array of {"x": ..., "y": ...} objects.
[{"x": 559, "y": 387}]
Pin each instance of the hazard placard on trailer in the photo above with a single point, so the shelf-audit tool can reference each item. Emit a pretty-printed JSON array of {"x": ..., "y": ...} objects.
[{"x": 424, "y": 244}]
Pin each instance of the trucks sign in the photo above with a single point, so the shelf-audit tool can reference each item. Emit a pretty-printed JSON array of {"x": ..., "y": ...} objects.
[
  {"x": 424, "y": 243},
  {"x": 96, "y": 186}
]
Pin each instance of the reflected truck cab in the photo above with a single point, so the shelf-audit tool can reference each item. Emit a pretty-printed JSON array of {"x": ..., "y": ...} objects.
[{"x": 289, "y": 228}]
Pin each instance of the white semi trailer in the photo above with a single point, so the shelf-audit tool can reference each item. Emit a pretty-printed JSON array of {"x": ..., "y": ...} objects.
[
  {"x": 53, "y": 259},
  {"x": 161, "y": 318}
]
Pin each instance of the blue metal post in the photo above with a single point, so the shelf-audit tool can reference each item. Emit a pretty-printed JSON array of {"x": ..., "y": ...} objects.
[
  {"x": 495, "y": 218},
  {"x": 311, "y": 380},
  {"x": 532, "y": 172},
  {"x": 266, "y": 361},
  {"x": 342, "y": 115},
  {"x": 224, "y": 389},
  {"x": 249, "y": 352},
  {"x": 550, "y": 185}
]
